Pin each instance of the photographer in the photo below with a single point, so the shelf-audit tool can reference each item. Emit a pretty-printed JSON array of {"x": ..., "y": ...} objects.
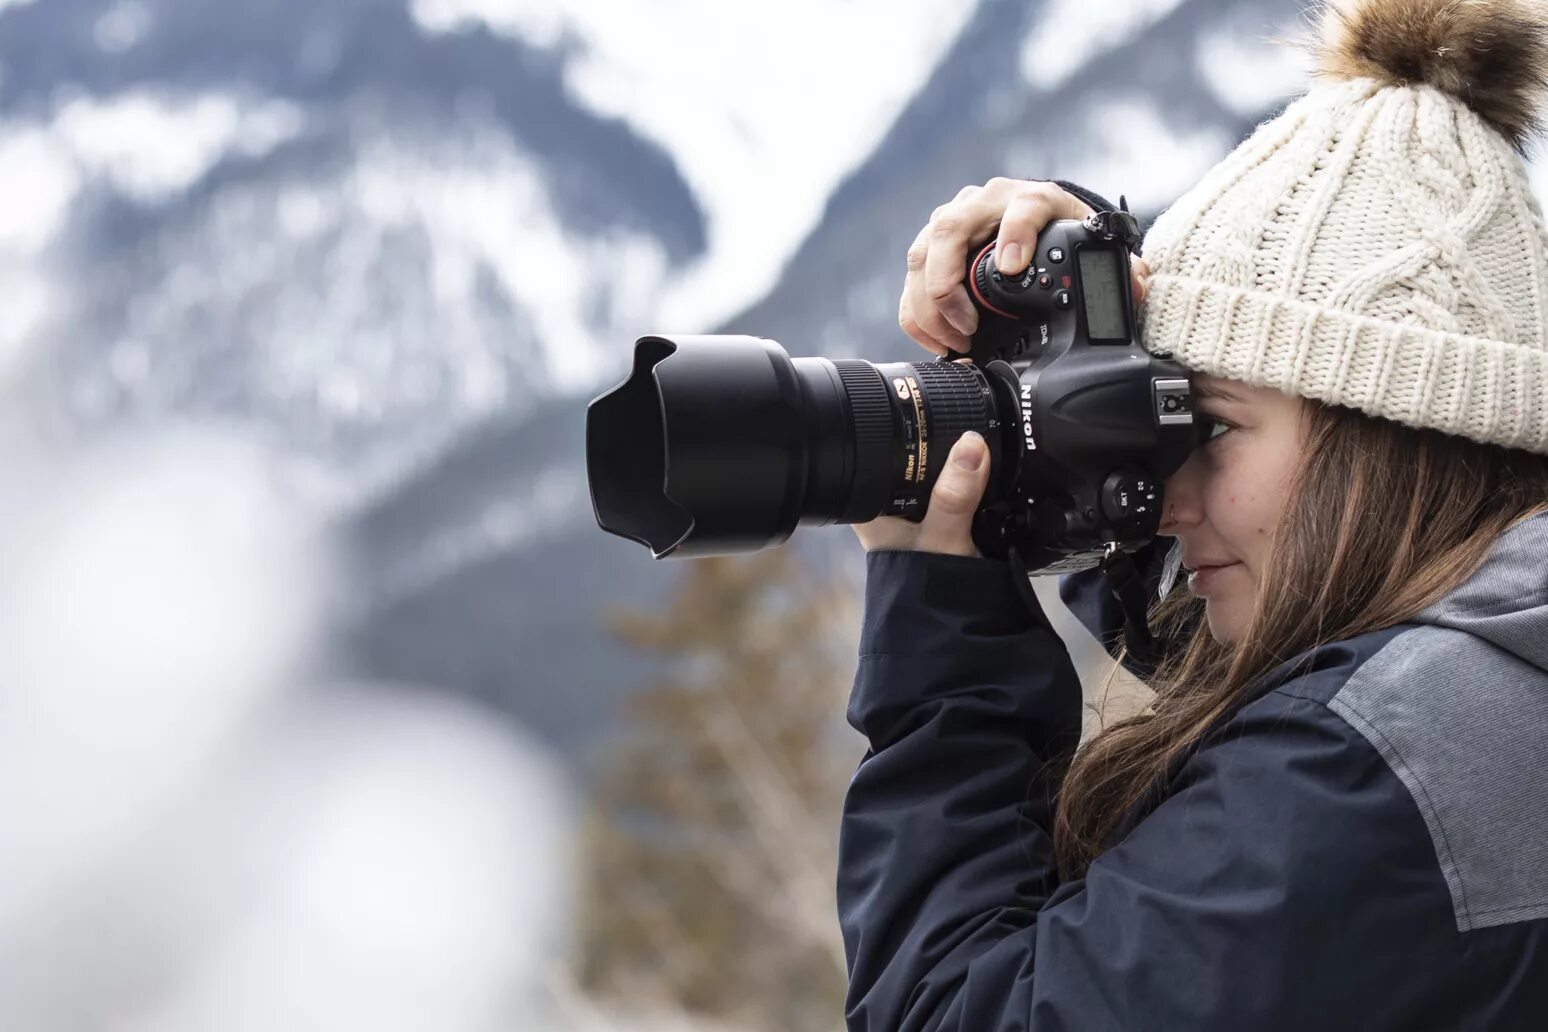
[{"x": 1335, "y": 812}]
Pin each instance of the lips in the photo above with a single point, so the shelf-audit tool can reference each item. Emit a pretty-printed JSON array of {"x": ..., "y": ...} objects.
[
  {"x": 1191, "y": 565},
  {"x": 1202, "y": 577}
]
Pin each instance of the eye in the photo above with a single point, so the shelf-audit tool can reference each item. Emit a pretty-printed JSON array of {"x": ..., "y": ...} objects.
[{"x": 1211, "y": 427}]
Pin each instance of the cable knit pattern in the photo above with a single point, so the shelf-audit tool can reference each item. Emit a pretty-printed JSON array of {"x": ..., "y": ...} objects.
[{"x": 1375, "y": 246}]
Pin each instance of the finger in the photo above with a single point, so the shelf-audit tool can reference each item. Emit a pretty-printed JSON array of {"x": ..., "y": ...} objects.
[
  {"x": 959, "y": 226},
  {"x": 931, "y": 325},
  {"x": 1141, "y": 273},
  {"x": 1032, "y": 208},
  {"x": 911, "y": 327},
  {"x": 948, "y": 523},
  {"x": 923, "y": 310}
]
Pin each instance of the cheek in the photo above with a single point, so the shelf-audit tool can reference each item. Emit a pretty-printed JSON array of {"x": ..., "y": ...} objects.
[{"x": 1245, "y": 499}]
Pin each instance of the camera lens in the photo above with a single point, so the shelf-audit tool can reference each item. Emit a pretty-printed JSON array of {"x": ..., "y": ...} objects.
[{"x": 723, "y": 443}]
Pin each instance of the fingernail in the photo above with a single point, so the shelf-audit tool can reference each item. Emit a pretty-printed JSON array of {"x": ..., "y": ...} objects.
[
  {"x": 968, "y": 452},
  {"x": 1009, "y": 258}
]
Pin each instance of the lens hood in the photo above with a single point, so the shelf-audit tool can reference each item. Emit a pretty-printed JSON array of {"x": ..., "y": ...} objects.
[{"x": 702, "y": 449}]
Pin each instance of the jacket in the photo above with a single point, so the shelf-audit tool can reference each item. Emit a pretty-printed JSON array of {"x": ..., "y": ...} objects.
[{"x": 1362, "y": 844}]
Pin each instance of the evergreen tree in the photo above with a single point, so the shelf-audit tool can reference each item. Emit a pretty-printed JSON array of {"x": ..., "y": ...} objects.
[{"x": 712, "y": 847}]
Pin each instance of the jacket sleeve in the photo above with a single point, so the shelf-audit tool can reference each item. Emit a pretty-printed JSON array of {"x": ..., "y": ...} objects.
[
  {"x": 1243, "y": 900},
  {"x": 967, "y": 703}
]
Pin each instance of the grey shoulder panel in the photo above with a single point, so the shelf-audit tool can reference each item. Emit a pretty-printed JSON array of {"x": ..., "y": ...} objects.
[
  {"x": 1506, "y": 599},
  {"x": 1464, "y": 726}
]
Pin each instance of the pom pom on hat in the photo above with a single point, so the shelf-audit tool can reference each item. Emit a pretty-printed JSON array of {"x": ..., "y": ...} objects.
[{"x": 1490, "y": 54}]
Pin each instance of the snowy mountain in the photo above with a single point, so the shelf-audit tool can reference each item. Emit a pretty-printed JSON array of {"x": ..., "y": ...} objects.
[
  {"x": 370, "y": 224},
  {"x": 1140, "y": 101},
  {"x": 406, "y": 241}
]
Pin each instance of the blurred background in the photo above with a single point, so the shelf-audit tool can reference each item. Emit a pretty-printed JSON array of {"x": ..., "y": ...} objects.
[{"x": 323, "y": 701}]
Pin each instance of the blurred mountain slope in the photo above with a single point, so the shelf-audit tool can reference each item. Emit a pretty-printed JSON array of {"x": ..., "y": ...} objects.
[{"x": 409, "y": 242}]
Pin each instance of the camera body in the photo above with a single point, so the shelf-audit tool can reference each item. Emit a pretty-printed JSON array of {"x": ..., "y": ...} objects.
[{"x": 1098, "y": 421}]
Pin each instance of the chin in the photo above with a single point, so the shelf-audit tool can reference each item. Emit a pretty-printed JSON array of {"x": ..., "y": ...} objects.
[{"x": 1224, "y": 621}]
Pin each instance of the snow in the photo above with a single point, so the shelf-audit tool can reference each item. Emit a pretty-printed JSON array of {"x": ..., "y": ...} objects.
[
  {"x": 377, "y": 342},
  {"x": 148, "y": 146},
  {"x": 152, "y": 147},
  {"x": 30, "y": 300},
  {"x": 526, "y": 513},
  {"x": 1250, "y": 74},
  {"x": 765, "y": 108},
  {"x": 122, "y": 26},
  {"x": 1138, "y": 154},
  {"x": 368, "y": 342},
  {"x": 486, "y": 208},
  {"x": 200, "y": 832},
  {"x": 1070, "y": 33},
  {"x": 715, "y": 85},
  {"x": 41, "y": 179},
  {"x": 35, "y": 168}
]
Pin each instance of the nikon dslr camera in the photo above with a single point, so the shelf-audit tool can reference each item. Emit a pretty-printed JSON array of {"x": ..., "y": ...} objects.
[{"x": 719, "y": 444}]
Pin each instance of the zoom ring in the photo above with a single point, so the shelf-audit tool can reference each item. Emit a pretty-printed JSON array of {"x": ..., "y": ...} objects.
[{"x": 875, "y": 435}]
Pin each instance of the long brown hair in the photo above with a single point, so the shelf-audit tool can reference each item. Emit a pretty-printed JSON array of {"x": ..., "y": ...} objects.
[{"x": 1382, "y": 520}]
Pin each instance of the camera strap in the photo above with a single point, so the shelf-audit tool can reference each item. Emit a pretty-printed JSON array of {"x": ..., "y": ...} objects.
[{"x": 1128, "y": 588}]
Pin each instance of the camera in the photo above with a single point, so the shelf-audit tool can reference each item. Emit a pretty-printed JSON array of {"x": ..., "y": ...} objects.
[{"x": 717, "y": 444}]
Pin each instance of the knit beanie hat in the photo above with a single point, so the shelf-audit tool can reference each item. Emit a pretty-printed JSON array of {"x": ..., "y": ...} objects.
[{"x": 1376, "y": 245}]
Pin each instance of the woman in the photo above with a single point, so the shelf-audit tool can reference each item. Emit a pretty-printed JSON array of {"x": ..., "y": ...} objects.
[{"x": 1335, "y": 813}]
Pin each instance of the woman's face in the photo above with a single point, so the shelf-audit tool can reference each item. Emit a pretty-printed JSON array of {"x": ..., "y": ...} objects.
[{"x": 1225, "y": 503}]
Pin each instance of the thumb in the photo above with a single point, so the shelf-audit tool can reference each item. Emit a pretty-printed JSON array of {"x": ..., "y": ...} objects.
[{"x": 948, "y": 523}]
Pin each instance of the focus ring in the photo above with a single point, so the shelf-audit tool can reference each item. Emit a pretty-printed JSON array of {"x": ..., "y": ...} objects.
[{"x": 957, "y": 399}]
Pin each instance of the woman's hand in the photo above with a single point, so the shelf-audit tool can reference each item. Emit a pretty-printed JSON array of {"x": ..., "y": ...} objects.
[
  {"x": 936, "y": 312},
  {"x": 935, "y": 309},
  {"x": 948, "y": 523}
]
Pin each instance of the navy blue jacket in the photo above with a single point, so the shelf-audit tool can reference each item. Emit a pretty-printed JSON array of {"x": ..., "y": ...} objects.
[{"x": 1363, "y": 845}]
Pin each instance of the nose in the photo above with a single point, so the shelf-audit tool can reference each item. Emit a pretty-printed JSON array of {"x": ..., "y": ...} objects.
[{"x": 1182, "y": 496}]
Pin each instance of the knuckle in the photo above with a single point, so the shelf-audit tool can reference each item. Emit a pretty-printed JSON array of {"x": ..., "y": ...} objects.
[
  {"x": 941, "y": 289},
  {"x": 1033, "y": 190},
  {"x": 951, "y": 497},
  {"x": 916, "y": 256},
  {"x": 966, "y": 193},
  {"x": 949, "y": 224},
  {"x": 1029, "y": 205}
]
